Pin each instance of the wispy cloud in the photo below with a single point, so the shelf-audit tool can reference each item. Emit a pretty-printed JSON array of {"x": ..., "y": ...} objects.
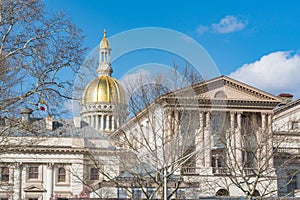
[
  {"x": 228, "y": 24},
  {"x": 277, "y": 72}
]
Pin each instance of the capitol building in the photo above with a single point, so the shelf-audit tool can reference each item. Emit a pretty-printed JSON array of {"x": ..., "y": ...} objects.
[{"x": 218, "y": 138}]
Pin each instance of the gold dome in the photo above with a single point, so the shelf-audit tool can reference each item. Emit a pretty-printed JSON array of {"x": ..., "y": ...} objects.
[
  {"x": 104, "y": 44},
  {"x": 104, "y": 89}
]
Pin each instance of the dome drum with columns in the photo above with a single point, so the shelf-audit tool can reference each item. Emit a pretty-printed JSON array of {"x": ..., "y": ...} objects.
[{"x": 104, "y": 99}]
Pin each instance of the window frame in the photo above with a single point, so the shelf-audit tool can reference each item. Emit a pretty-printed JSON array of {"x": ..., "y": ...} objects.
[
  {"x": 94, "y": 174},
  {"x": 5, "y": 174},
  {"x": 122, "y": 193},
  {"x": 61, "y": 175},
  {"x": 33, "y": 175},
  {"x": 137, "y": 193}
]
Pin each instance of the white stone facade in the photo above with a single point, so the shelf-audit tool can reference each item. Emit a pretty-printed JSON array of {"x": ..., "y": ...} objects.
[{"x": 57, "y": 164}]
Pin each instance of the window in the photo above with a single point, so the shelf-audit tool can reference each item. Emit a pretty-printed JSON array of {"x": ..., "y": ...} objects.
[
  {"x": 4, "y": 174},
  {"x": 249, "y": 159},
  {"x": 33, "y": 172},
  {"x": 151, "y": 192},
  {"x": 122, "y": 193},
  {"x": 291, "y": 182},
  {"x": 295, "y": 125},
  {"x": 94, "y": 174},
  {"x": 256, "y": 193},
  {"x": 220, "y": 95},
  {"x": 218, "y": 159},
  {"x": 180, "y": 194},
  {"x": 61, "y": 175},
  {"x": 222, "y": 192},
  {"x": 136, "y": 193}
]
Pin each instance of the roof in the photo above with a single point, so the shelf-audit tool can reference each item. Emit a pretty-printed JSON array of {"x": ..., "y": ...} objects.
[{"x": 287, "y": 106}]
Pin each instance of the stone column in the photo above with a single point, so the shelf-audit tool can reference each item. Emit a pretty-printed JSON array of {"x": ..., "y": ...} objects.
[
  {"x": 207, "y": 141},
  {"x": 50, "y": 179},
  {"x": 17, "y": 180},
  {"x": 200, "y": 142},
  {"x": 118, "y": 121},
  {"x": 231, "y": 140},
  {"x": 97, "y": 122},
  {"x": 270, "y": 142},
  {"x": 262, "y": 142},
  {"x": 263, "y": 122},
  {"x": 112, "y": 123},
  {"x": 90, "y": 120},
  {"x": 239, "y": 142},
  {"x": 102, "y": 123},
  {"x": 94, "y": 121},
  {"x": 176, "y": 122},
  {"x": 107, "y": 122},
  {"x": 171, "y": 125},
  {"x": 167, "y": 124}
]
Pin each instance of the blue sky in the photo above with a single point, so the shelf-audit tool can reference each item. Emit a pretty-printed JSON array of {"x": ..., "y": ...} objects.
[{"x": 256, "y": 42}]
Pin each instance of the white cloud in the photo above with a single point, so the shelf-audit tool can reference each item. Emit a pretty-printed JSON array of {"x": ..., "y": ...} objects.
[
  {"x": 277, "y": 72},
  {"x": 136, "y": 79},
  {"x": 202, "y": 29},
  {"x": 228, "y": 24}
]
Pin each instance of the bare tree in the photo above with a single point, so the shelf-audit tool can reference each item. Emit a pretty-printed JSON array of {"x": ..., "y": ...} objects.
[
  {"x": 156, "y": 142},
  {"x": 250, "y": 156},
  {"x": 40, "y": 53},
  {"x": 37, "y": 50}
]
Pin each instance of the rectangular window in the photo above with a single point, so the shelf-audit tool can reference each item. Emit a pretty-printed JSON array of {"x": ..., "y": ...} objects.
[
  {"x": 136, "y": 193},
  {"x": 122, "y": 193},
  {"x": 33, "y": 172},
  {"x": 94, "y": 174},
  {"x": 151, "y": 193},
  {"x": 4, "y": 174},
  {"x": 180, "y": 194}
]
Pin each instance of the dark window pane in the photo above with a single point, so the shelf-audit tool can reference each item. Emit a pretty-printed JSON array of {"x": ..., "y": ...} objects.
[
  {"x": 94, "y": 174},
  {"x": 4, "y": 174},
  {"x": 33, "y": 172},
  {"x": 61, "y": 175}
]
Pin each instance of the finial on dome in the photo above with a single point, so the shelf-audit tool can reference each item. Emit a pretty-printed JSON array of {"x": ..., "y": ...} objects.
[
  {"x": 104, "y": 33},
  {"x": 104, "y": 42}
]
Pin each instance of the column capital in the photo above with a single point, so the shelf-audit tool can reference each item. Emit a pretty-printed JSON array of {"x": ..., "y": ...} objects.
[
  {"x": 17, "y": 165},
  {"x": 232, "y": 112},
  {"x": 50, "y": 165}
]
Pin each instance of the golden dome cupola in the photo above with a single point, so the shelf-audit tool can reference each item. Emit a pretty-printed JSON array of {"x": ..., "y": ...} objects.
[
  {"x": 104, "y": 104},
  {"x": 104, "y": 89},
  {"x": 104, "y": 68}
]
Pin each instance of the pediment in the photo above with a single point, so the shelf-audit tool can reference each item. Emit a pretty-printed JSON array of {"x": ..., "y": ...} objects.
[
  {"x": 34, "y": 188},
  {"x": 227, "y": 88}
]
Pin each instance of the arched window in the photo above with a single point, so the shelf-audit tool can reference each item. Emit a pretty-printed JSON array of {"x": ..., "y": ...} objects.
[
  {"x": 102, "y": 57},
  {"x": 256, "y": 193},
  {"x": 4, "y": 174},
  {"x": 61, "y": 175},
  {"x": 222, "y": 192},
  {"x": 220, "y": 95}
]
